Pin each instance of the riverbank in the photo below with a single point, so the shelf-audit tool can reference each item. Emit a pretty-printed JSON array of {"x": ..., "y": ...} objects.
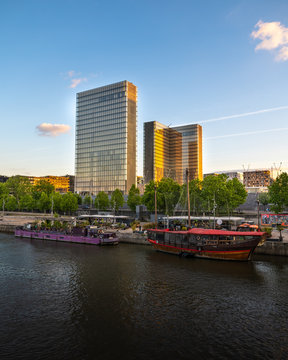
[
  {"x": 272, "y": 246},
  {"x": 8, "y": 224}
]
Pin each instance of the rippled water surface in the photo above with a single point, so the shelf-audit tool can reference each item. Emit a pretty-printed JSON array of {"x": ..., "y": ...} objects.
[{"x": 70, "y": 301}]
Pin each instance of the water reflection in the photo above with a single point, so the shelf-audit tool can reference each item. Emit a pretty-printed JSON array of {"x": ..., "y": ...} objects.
[{"x": 71, "y": 301}]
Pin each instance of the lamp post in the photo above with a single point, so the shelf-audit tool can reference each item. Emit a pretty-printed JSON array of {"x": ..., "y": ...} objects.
[
  {"x": 258, "y": 212},
  {"x": 188, "y": 197},
  {"x": 155, "y": 194},
  {"x": 52, "y": 204}
]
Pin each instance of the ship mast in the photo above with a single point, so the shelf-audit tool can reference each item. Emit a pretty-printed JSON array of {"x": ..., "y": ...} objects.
[
  {"x": 188, "y": 197},
  {"x": 155, "y": 194}
]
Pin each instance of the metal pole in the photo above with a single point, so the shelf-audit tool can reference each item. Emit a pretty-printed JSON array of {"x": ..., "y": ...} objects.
[
  {"x": 155, "y": 193},
  {"x": 52, "y": 205},
  {"x": 188, "y": 197},
  {"x": 258, "y": 211},
  {"x": 214, "y": 208}
]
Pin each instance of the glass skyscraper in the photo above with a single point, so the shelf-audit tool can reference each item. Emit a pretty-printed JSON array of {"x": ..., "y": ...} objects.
[
  {"x": 169, "y": 151},
  {"x": 105, "y": 156}
]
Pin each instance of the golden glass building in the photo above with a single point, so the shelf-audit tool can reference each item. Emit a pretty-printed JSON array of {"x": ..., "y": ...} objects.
[
  {"x": 169, "y": 151},
  {"x": 62, "y": 184},
  {"x": 105, "y": 156}
]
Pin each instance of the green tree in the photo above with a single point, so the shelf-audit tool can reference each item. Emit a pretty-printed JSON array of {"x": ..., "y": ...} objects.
[
  {"x": 18, "y": 186},
  {"x": 11, "y": 203},
  {"x": 4, "y": 192},
  {"x": 167, "y": 195},
  {"x": 195, "y": 186},
  {"x": 148, "y": 198},
  {"x": 278, "y": 193},
  {"x": 44, "y": 202},
  {"x": 44, "y": 186},
  {"x": 69, "y": 203},
  {"x": 57, "y": 202},
  {"x": 87, "y": 200},
  {"x": 117, "y": 200},
  {"x": 214, "y": 193},
  {"x": 236, "y": 194},
  {"x": 79, "y": 198},
  {"x": 264, "y": 199},
  {"x": 134, "y": 198},
  {"x": 27, "y": 202},
  {"x": 101, "y": 201},
  {"x": 168, "y": 192}
]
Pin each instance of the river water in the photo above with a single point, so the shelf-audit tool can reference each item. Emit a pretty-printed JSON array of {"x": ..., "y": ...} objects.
[{"x": 71, "y": 301}]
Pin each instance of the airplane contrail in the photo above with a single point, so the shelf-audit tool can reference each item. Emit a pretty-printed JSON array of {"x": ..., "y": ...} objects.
[
  {"x": 244, "y": 114},
  {"x": 245, "y": 133}
]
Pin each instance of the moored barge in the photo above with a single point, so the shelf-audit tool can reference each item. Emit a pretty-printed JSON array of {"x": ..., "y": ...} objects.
[
  {"x": 82, "y": 237},
  {"x": 207, "y": 243}
]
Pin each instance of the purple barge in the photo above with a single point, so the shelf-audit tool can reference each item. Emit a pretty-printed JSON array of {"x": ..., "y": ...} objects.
[{"x": 92, "y": 238}]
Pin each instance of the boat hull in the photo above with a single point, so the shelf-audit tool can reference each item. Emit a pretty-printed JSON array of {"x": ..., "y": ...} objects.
[
  {"x": 207, "y": 243},
  {"x": 243, "y": 254},
  {"x": 54, "y": 236}
]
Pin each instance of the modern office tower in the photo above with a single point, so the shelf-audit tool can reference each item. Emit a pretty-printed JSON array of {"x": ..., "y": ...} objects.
[
  {"x": 169, "y": 151},
  {"x": 105, "y": 156}
]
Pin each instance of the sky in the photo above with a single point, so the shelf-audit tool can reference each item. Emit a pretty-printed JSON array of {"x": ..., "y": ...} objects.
[{"x": 221, "y": 64}]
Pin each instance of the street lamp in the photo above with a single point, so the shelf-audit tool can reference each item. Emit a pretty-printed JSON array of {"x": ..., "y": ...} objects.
[
  {"x": 155, "y": 194},
  {"x": 258, "y": 212},
  {"x": 188, "y": 197}
]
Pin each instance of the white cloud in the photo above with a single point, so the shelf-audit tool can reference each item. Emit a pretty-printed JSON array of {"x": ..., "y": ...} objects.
[
  {"x": 282, "y": 54},
  {"x": 76, "y": 82},
  {"x": 245, "y": 114},
  {"x": 46, "y": 129},
  {"x": 71, "y": 73},
  {"x": 246, "y": 133},
  {"x": 273, "y": 35}
]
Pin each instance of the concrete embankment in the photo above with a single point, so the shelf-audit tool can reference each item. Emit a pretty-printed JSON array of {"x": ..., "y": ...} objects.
[
  {"x": 132, "y": 238},
  {"x": 9, "y": 223},
  {"x": 273, "y": 248},
  {"x": 7, "y": 228}
]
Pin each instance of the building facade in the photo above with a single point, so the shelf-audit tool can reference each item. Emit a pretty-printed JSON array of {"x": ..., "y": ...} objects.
[
  {"x": 261, "y": 178},
  {"x": 230, "y": 174},
  {"x": 105, "y": 154},
  {"x": 169, "y": 151},
  {"x": 62, "y": 184}
]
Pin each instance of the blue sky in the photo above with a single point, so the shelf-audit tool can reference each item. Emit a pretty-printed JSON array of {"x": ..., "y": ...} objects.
[{"x": 192, "y": 61}]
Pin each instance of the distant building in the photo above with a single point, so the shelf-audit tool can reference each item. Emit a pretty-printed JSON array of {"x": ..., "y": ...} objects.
[
  {"x": 169, "y": 151},
  {"x": 105, "y": 156},
  {"x": 62, "y": 184},
  {"x": 231, "y": 174}
]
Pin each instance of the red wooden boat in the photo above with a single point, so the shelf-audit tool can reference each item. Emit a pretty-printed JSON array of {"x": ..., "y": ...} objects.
[{"x": 207, "y": 243}]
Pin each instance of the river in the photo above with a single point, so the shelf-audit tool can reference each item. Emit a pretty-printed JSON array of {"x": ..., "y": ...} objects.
[{"x": 71, "y": 301}]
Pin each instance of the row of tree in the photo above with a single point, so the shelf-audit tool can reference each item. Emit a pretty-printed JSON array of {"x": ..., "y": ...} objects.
[
  {"x": 19, "y": 194},
  {"x": 215, "y": 194},
  {"x": 277, "y": 194}
]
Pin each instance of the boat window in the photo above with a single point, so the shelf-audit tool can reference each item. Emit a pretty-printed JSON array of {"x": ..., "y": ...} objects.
[
  {"x": 185, "y": 238},
  {"x": 160, "y": 236},
  {"x": 172, "y": 238}
]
